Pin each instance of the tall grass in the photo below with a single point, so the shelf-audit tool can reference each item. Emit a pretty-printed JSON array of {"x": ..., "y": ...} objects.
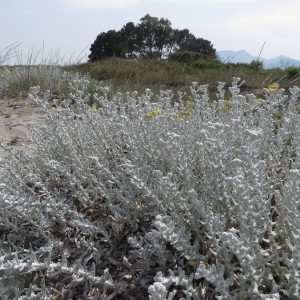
[
  {"x": 124, "y": 74},
  {"x": 19, "y": 73},
  {"x": 8, "y": 53}
]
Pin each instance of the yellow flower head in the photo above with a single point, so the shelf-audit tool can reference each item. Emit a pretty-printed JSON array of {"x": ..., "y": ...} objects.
[
  {"x": 153, "y": 113},
  {"x": 223, "y": 109},
  {"x": 189, "y": 105},
  {"x": 227, "y": 102},
  {"x": 148, "y": 115},
  {"x": 54, "y": 109},
  {"x": 273, "y": 87},
  {"x": 185, "y": 113}
]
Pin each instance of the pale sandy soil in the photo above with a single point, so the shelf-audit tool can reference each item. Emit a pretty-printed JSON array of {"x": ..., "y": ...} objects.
[{"x": 15, "y": 116}]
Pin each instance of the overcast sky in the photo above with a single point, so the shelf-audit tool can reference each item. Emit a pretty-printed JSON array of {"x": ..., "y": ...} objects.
[{"x": 69, "y": 27}]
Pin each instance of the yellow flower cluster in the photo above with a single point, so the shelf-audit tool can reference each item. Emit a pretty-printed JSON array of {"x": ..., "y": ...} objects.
[
  {"x": 225, "y": 108},
  {"x": 185, "y": 113},
  {"x": 227, "y": 102},
  {"x": 54, "y": 109},
  {"x": 273, "y": 87},
  {"x": 189, "y": 105},
  {"x": 187, "y": 110},
  {"x": 153, "y": 113},
  {"x": 94, "y": 108}
]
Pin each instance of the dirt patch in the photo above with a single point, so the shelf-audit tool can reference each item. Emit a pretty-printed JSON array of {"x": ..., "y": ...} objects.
[{"x": 15, "y": 116}]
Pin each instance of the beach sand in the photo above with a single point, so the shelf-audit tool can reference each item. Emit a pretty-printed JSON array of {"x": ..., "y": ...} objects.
[{"x": 15, "y": 116}]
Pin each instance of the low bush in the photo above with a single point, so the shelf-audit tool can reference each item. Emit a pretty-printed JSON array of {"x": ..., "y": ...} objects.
[
  {"x": 159, "y": 197},
  {"x": 187, "y": 56},
  {"x": 208, "y": 64},
  {"x": 292, "y": 72}
]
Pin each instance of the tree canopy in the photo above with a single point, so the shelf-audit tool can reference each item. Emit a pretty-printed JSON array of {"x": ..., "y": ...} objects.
[{"x": 152, "y": 38}]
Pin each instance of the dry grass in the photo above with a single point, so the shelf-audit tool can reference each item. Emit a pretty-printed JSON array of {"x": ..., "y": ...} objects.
[
  {"x": 124, "y": 75},
  {"x": 127, "y": 75}
]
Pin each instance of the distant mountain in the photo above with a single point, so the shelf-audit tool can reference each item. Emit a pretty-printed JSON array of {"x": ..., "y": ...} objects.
[
  {"x": 243, "y": 56},
  {"x": 280, "y": 62},
  {"x": 235, "y": 56}
]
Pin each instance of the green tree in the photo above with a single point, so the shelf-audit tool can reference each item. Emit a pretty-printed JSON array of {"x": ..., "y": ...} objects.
[
  {"x": 154, "y": 36},
  {"x": 204, "y": 47},
  {"x": 186, "y": 41},
  {"x": 128, "y": 35},
  {"x": 182, "y": 38},
  {"x": 106, "y": 45}
]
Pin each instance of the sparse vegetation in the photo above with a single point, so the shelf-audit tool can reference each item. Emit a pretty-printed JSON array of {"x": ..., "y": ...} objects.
[{"x": 124, "y": 74}]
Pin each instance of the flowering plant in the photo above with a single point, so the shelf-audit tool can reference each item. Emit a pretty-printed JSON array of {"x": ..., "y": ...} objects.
[{"x": 113, "y": 204}]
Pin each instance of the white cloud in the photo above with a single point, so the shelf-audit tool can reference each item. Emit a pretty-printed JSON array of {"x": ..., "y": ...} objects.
[
  {"x": 276, "y": 24},
  {"x": 123, "y": 3},
  {"x": 94, "y": 4},
  {"x": 206, "y": 1},
  {"x": 273, "y": 20}
]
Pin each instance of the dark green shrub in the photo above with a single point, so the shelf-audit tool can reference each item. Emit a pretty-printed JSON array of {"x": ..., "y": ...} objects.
[
  {"x": 292, "y": 71},
  {"x": 256, "y": 64},
  {"x": 186, "y": 56},
  {"x": 207, "y": 64}
]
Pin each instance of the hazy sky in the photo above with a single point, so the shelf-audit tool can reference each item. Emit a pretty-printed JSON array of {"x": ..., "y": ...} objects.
[{"x": 71, "y": 26}]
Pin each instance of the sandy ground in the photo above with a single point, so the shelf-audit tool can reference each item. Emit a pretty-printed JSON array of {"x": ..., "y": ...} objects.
[{"x": 15, "y": 115}]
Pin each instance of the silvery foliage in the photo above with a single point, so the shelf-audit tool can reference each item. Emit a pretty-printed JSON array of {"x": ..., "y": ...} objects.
[{"x": 115, "y": 204}]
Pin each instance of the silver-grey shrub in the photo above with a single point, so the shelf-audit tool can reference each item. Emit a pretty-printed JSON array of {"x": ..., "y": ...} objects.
[{"x": 152, "y": 197}]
